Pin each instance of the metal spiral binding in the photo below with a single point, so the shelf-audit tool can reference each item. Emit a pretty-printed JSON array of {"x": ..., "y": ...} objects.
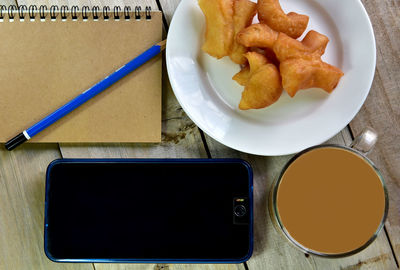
[
  {"x": 95, "y": 12},
  {"x": 53, "y": 12},
  {"x": 42, "y": 12},
  {"x": 137, "y": 12},
  {"x": 11, "y": 11},
  {"x": 2, "y": 7},
  {"x": 85, "y": 10},
  {"x": 74, "y": 12},
  {"x": 63, "y": 12},
  {"x": 127, "y": 10},
  {"x": 117, "y": 10},
  {"x": 21, "y": 12},
  {"x": 106, "y": 9},
  {"x": 148, "y": 13},
  {"x": 31, "y": 10}
]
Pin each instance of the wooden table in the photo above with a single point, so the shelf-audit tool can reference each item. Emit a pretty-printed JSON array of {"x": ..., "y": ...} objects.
[{"x": 22, "y": 171}]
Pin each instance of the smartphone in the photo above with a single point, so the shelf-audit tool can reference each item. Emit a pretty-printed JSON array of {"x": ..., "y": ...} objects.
[{"x": 156, "y": 211}]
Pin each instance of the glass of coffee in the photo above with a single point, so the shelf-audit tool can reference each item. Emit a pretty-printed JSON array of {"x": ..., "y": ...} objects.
[{"x": 330, "y": 200}]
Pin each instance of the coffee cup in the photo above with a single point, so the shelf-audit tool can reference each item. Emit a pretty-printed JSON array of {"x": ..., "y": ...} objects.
[{"x": 330, "y": 200}]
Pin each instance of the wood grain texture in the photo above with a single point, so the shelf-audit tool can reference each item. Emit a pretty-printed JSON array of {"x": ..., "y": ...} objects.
[
  {"x": 114, "y": 266},
  {"x": 169, "y": 8},
  {"x": 205, "y": 267},
  {"x": 22, "y": 171},
  {"x": 22, "y": 193},
  {"x": 382, "y": 107}
]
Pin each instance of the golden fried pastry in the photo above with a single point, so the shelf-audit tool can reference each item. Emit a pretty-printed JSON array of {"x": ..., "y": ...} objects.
[
  {"x": 315, "y": 42},
  {"x": 286, "y": 47},
  {"x": 244, "y": 12},
  {"x": 262, "y": 89},
  {"x": 301, "y": 66},
  {"x": 313, "y": 45},
  {"x": 269, "y": 53},
  {"x": 300, "y": 73},
  {"x": 257, "y": 35},
  {"x": 242, "y": 76},
  {"x": 271, "y": 13},
  {"x": 219, "y": 27},
  {"x": 256, "y": 60}
]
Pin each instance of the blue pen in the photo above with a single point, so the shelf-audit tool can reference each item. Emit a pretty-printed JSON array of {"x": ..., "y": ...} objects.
[{"x": 85, "y": 96}]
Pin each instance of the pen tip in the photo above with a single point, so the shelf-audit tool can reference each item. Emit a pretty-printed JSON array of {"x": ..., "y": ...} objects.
[{"x": 14, "y": 142}]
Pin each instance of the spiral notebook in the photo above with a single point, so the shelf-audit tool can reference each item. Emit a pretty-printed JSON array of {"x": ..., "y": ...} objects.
[{"x": 50, "y": 55}]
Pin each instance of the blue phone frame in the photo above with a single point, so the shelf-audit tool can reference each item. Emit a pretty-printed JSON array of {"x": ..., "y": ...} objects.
[{"x": 155, "y": 161}]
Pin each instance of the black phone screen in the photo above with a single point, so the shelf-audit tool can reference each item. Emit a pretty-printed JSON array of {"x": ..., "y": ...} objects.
[{"x": 145, "y": 210}]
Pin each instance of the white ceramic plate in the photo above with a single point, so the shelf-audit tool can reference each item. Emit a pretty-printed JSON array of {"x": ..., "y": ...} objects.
[{"x": 206, "y": 92}]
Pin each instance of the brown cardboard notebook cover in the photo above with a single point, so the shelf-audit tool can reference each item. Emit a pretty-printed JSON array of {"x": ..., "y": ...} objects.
[{"x": 44, "y": 64}]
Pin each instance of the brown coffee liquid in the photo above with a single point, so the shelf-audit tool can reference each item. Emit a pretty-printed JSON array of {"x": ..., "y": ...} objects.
[{"x": 331, "y": 200}]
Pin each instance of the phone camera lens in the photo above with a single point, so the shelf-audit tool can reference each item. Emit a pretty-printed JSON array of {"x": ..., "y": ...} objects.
[{"x": 239, "y": 210}]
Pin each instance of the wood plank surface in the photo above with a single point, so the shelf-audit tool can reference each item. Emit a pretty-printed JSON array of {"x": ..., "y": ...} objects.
[
  {"x": 270, "y": 249},
  {"x": 22, "y": 193},
  {"x": 22, "y": 172},
  {"x": 382, "y": 107}
]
